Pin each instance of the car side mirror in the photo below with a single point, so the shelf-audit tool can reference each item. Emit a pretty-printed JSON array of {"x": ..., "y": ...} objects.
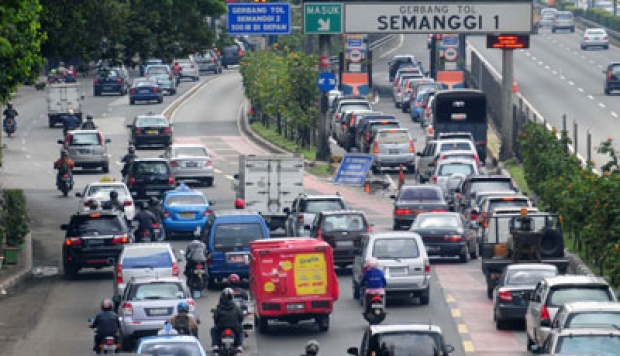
[
  {"x": 545, "y": 323},
  {"x": 287, "y": 210},
  {"x": 236, "y": 176},
  {"x": 60, "y": 142},
  {"x": 129, "y": 126},
  {"x": 107, "y": 140},
  {"x": 64, "y": 226},
  {"x": 353, "y": 351},
  {"x": 449, "y": 349},
  {"x": 393, "y": 196}
]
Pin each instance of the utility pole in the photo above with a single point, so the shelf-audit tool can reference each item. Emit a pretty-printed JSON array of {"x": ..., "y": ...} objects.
[
  {"x": 323, "y": 151},
  {"x": 506, "y": 151}
]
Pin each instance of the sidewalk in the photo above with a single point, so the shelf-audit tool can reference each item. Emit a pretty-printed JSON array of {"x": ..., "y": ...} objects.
[{"x": 12, "y": 275}]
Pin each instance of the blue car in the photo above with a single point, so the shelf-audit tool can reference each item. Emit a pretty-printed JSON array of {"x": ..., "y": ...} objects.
[
  {"x": 229, "y": 233},
  {"x": 184, "y": 210},
  {"x": 417, "y": 107},
  {"x": 145, "y": 90},
  {"x": 170, "y": 345}
]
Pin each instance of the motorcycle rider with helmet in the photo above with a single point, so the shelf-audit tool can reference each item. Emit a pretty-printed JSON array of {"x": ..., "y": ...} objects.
[
  {"x": 89, "y": 124},
  {"x": 373, "y": 279},
  {"x": 196, "y": 252},
  {"x": 128, "y": 158},
  {"x": 234, "y": 283},
  {"x": 9, "y": 112},
  {"x": 184, "y": 323},
  {"x": 70, "y": 122},
  {"x": 106, "y": 323},
  {"x": 158, "y": 212},
  {"x": 64, "y": 165},
  {"x": 145, "y": 220},
  {"x": 227, "y": 315},
  {"x": 312, "y": 348}
]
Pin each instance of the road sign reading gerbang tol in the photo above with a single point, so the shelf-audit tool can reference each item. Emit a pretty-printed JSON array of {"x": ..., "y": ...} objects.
[{"x": 438, "y": 17}]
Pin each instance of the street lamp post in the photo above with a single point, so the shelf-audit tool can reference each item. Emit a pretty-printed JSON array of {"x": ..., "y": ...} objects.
[{"x": 104, "y": 47}]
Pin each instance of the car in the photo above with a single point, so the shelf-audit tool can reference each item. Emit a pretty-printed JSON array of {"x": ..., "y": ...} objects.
[
  {"x": 189, "y": 68},
  {"x": 227, "y": 234},
  {"x": 445, "y": 168},
  {"x": 490, "y": 203},
  {"x": 338, "y": 127},
  {"x": 148, "y": 62},
  {"x": 551, "y": 293},
  {"x": 547, "y": 15},
  {"x": 393, "y": 148},
  {"x": 145, "y": 90},
  {"x": 100, "y": 191},
  {"x": 87, "y": 149},
  {"x": 190, "y": 162},
  {"x": 147, "y": 303},
  {"x": 514, "y": 289},
  {"x": 446, "y": 234},
  {"x": 343, "y": 230},
  {"x": 138, "y": 260},
  {"x": 349, "y": 105},
  {"x": 150, "y": 129},
  {"x": 149, "y": 177},
  {"x": 563, "y": 21},
  {"x": 184, "y": 210},
  {"x": 612, "y": 77},
  {"x": 163, "y": 76},
  {"x": 412, "y": 200},
  {"x": 402, "y": 257},
  {"x": 399, "y": 60},
  {"x": 404, "y": 75},
  {"x": 586, "y": 341},
  {"x": 595, "y": 37},
  {"x": 304, "y": 209},
  {"x": 368, "y": 129},
  {"x": 413, "y": 87},
  {"x": 402, "y": 339},
  {"x": 577, "y": 315},
  {"x": 170, "y": 345},
  {"x": 111, "y": 80},
  {"x": 419, "y": 103},
  {"x": 93, "y": 239},
  {"x": 209, "y": 61},
  {"x": 355, "y": 118},
  {"x": 473, "y": 184},
  {"x": 427, "y": 159},
  {"x": 231, "y": 55}
]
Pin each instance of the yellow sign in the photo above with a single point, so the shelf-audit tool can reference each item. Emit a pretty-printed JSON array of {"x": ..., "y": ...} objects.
[
  {"x": 269, "y": 287},
  {"x": 310, "y": 274},
  {"x": 286, "y": 265}
]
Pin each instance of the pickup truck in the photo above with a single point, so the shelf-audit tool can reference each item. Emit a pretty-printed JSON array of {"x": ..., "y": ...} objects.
[{"x": 498, "y": 246}]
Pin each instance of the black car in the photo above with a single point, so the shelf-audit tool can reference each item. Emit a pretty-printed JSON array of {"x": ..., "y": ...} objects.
[
  {"x": 514, "y": 288},
  {"x": 150, "y": 129},
  {"x": 612, "y": 77},
  {"x": 482, "y": 183},
  {"x": 231, "y": 55},
  {"x": 415, "y": 199},
  {"x": 398, "y": 61},
  {"x": 149, "y": 177},
  {"x": 93, "y": 239},
  {"x": 111, "y": 80},
  {"x": 402, "y": 339},
  {"x": 367, "y": 132},
  {"x": 446, "y": 234}
]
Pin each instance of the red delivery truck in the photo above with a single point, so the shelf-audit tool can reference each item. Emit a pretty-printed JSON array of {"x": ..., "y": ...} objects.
[{"x": 292, "y": 279}]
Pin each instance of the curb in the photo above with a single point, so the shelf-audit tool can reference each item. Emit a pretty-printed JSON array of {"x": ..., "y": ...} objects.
[
  {"x": 8, "y": 284},
  {"x": 244, "y": 125}
]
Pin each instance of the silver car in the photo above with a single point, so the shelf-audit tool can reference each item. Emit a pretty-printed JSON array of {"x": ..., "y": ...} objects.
[
  {"x": 444, "y": 169},
  {"x": 586, "y": 341},
  {"x": 393, "y": 148},
  {"x": 595, "y": 37},
  {"x": 578, "y": 315},
  {"x": 190, "y": 162},
  {"x": 563, "y": 21},
  {"x": 162, "y": 74},
  {"x": 189, "y": 68},
  {"x": 87, "y": 149}
]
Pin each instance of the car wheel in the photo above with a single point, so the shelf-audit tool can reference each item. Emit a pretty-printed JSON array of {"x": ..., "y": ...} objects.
[
  {"x": 356, "y": 290},
  {"x": 173, "y": 92},
  {"x": 473, "y": 253},
  {"x": 263, "y": 325},
  {"x": 583, "y": 47},
  {"x": 322, "y": 322},
  {"x": 209, "y": 182},
  {"x": 69, "y": 271},
  {"x": 501, "y": 324},
  {"x": 425, "y": 297},
  {"x": 553, "y": 29},
  {"x": 160, "y": 100},
  {"x": 395, "y": 227},
  {"x": 398, "y": 105},
  {"x": 127, "y": 343},
  {"x": 375, "y": 169},
  {"x": 105, "y": 168},
  {"x": 572, "y": 29},
  {"x": 96, "y": 93},
  {"x": 411, "y": 169},
  {"x": 489, "y": 292},
  {"x": 131, "y": 102},
  {"x": 607, "y": 91}
]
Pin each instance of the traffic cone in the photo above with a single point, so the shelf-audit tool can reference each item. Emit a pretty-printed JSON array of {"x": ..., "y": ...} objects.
[
  {"x": 515, "y": 87},
  {"x": 401, "y": 177},
  {"x": 367, "y": 188}
]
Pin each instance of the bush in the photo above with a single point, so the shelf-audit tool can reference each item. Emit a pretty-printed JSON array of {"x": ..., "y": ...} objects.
[{"x": 15, "y": 216}]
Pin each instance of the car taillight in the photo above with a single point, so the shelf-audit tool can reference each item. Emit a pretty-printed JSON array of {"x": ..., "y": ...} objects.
[
  {"x": 128, "y": 203},
  {"x": 155, "y": 89},
  {"x": 375, "y": 147},
  {"x": 132, "y": 91},
  {"x": 119, "y": 80},
  {"x": 398, "y": 90},
  {"x": 484, "y": 214},
  {"x": 132, "y": 181},
  {"x": 206, "y": 213},
  {"x": 138, "y": 131},
  {"x": 166, "y": 130},
  {"x": 73, "y": 241},
  {"x": 191, "y": 66},
  {"x": 367, "y": 136},
  {"x": 544, "y": 313},
  {"x": 171, "y": 179},
  {"x": 427, "y": 113},
  {"x": 199, "y": 266},
  {"x": 427, "y": 267},
  {"x": 338, "y": 116},
  {"x": 505, "y": 295},
  {"x": 403, "y": 211},
  {"x": 192, "y": 305},
  {"x": 175, "y": 269},
  {"x": 212, "y": 59},
  {"x": 411, "y": 146},
  {"x": 430, "y": 131},
  {"x": 209, "y": 163},
  {"x": 300, "y": 219},
  {"x": 368, "y": 228},
  {"x": 96, "y": 80},
  {"x": 174, "y": 164},
  {"x": 319, "y": 234},
  {"x": 434, "y": 179},
  {"x": 120, "y": 239},
  {"x": 127, "y": 309},
  {"x": 240, "y": 53},
  {"x": 209, "y": 260},
  {"x": 605, "y": 38},
  {"x": 438, "y": 210},
  {"x": 109, "y": 341},
  {"x": 228, "y": 332},
  {"x": 453, "y": 238},
  {"x": 167, "y": 214},
  {"x": 119, "y": 274},
  {"x": 473, "y": 216}
]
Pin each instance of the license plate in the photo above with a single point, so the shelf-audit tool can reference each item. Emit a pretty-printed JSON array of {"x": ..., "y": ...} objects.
[
  {"x": 152, "y": 132},
  {"x": 237, "y": 258},
  {"x": 152, "y": 193},
  {"x": 199, "y": 271},
  {"x": 432, "y": 248},
  {"x": 295, "y": 306},
  {"x": 161, "y": 311},
  {"x": 109, "y": 348},
  {"x": 344, "y": 243},
  {"x": 228, "y": 340},
  {"x": 398, "y": 271},
  {"x": 108, "y": 88},
  {"x": 394, "y": 152},
  {"x": 377, "y": 306},
  {"x": 187, "y": 215},
  {"x": 144, "y": 91},
  {"x": 85, "y": 151},
  {"x": 191, "y": 164},
  {"x": 95, "y": 242}
]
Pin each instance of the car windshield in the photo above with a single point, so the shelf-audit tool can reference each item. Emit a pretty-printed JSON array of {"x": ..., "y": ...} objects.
[
  {"x": 452, "y": 168},
  {"x": 145, "y": 83},
  {"x": 491, "y": 186},
  {"x": 231, "y": 235},
  {"x": 564, "y": 16},
  {"x": 508, "y": 203},
  {"x": 427, "y": 221},
  {"x": 578, "y": 344},
  {"x": 348, "y": 222},
  {"x": 393, "y": 136},
  {"x": 423, "y": 194},
  {"x": 389, "y": 249},
  {"x": 528, "y": 277},
  {"x": 108, "y": 74},
  {"x": 406, "y": 344},
  {"x": 182, "y": 200},
  {"x": 85, "y": 225},
  {"x": 316, "y": 206},
  {"x": 158, "y": 290},
  {"x": 151, "y": 121},
  {"x": 146, "y": 258},
  {"x": 151, "y": 168},
  {"x": 563, "y": 295},
  {"x": 190, "y": 151},
  {"x": 454, "y": 146},
  {"x": 380, "y": 126},
  {"x": 596, "y": 32},
  {"x": 594, "y": 319},
  {"x": 171, "y": 349},
  {"x": 157, "y": 70},
  {"x": 354, "y": 107},
  {"x": 465, "y": 155},
  {"x": 85, "y": 139},
  {"x": 104, "y": 190}
]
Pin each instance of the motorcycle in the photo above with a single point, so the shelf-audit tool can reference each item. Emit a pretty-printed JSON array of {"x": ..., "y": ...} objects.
[
  {"x": 143, "y": 236},
  {"x": 66, "y": 184},
  {"x": 374, "y": 306},
  {"x": 196, "y": 281},
  {"x": 227, "y": 343},
  {"x": 10, "y": 126},
  {"x": 109, "y": 345}
]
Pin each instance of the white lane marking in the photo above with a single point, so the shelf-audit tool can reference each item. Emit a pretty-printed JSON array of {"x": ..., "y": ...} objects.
[
  {"x": 555, "y": 72},
  {"x": 571, "y": 83},
  {"x": 540, "y": 63},
  {"x": 590, "y": 97},
  {"x": 217, "y": 171},
  {"x": 580, "y": 89},
  {"x": 28, "y": 156},
  {"x": 547, "y": 67},
  {"x": 602, "y": 105},
  {"x": 229, "y": 177},
  {"x": 614, "y": 115},
  {"x": 562, "y": 77}
]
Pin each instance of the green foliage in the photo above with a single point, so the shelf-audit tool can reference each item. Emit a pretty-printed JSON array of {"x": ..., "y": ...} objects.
[
  {"x": 270, "y": 134},
  {"x": 20, "y": 44},
  {"x": 15, "y": 216}
]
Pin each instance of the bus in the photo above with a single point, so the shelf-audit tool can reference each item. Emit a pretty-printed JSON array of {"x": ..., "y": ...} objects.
[{"x": 462, "y": 110}]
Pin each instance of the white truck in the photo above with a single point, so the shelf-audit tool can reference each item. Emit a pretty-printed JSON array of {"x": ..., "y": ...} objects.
[
  {"x": 268, "y": 184},
  {"x": 60, "y": 99}
]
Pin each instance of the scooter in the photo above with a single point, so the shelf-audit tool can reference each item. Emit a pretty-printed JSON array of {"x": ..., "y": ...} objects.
[
  {"x": 10, "y": 126},
  {"x": 109, "y": 345},
  {"x": 66, "y": 184},
  {"x": 374, "y": 306},
  {"x": 196, "y": 281}
]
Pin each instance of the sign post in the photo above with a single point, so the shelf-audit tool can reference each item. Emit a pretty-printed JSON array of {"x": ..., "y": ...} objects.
[
  {"x": 353, "y": 169},
  {"x": 322, "y": 18}
]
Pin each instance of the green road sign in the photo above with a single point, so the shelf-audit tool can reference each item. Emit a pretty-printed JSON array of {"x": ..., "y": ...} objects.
[{"x": 322, "y": 18}]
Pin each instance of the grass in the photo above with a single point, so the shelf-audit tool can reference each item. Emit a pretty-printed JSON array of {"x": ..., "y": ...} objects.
[
  {"x": 271, "y": 134},
  {"x": 323, "y": 169},
  {"x": 517, "y": 173}
]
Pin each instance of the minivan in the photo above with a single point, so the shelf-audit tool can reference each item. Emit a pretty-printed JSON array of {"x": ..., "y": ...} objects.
[
  {"x": 231, "y": 55},
  {"x": 87, "y": 149},
  {"x": 393, "y": 148},
  {"x": 612, "y": 77}
]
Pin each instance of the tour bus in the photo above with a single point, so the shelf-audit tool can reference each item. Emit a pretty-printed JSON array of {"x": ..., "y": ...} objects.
[{"x": 462, "y": 110}]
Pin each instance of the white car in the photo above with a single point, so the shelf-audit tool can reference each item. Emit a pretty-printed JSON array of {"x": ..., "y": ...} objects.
[
  {"x": 100, "y": 191},
  {"x": 189, "y": 68},
  {"x": 595, "y": 37}
]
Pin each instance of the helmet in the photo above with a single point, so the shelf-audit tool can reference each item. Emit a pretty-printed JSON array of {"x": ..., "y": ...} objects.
[
  {"x": 228, "y": 294},
  {"x": 312, "y": 347},
  {"x": 234, "y": 278},
  {"x": 239, "y": 204},
  {"x": 64, "y": 152},
  {"x": 372, "y": 262},
  {"x": 89, "y": 117},
  {"x": 153, "y": 201},
  {"x": 183, "y": 307},
  {"x": 106, "y": 304},
  {"x": 93, "y": 204},
  {"x": 113, "y": 194},
  {"x": 53, "y": 71},
  {"x": 143, "y": 205},
  {"x": 131, "y": 148},
  {"x": 9, "y": 105}
]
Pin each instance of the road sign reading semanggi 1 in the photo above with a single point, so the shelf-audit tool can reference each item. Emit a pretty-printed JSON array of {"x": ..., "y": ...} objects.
[{"x": 322, "y": 18}]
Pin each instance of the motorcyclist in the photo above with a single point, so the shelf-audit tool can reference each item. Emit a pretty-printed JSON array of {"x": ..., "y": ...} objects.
[
  {"x": 196, "y": 252},
  {"x": 89, "y": 124},
  {"x": 176, "y": 69},
  {"x": 106, "y": 323},
  {"x": 373, "y": 278},
  {"x": 52, "y": 78},
  {"x": 145, "y": 220},
  {"x": 62, "y": 70},
  {"x": 93, "y": 204},
  {"x": 70, "y": 121},
  {"x": 227, "y": 315},
  {"x": 158, "y": 212},
  {"x": 184, "y": 323},
  {"x": 9, "y": 112},
  {"x": 114, "y": 203},
  {"x": 128, "y": 158},
  {"x": 64, "y": 165},
  {"x": 234, "y": 282},
  {"x": 312, "y": 348}
]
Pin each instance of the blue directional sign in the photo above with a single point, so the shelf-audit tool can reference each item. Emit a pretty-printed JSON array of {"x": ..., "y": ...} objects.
[
  {"x": 353, "y": 169},
  {"x": 326, "y": 81},
  {"x": 259, "y": 19}
]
